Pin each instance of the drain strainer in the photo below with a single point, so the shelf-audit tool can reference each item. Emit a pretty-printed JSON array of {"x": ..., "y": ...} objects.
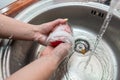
[{"x": 81, "y": 46}]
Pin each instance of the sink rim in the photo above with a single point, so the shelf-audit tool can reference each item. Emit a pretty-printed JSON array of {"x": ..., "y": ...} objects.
[
  {"x": 24, "y": 15},
  {"x": 29, "y": 13}
]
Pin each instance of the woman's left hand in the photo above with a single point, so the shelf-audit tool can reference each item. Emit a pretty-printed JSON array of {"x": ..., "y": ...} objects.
[{"x": 44, "y": 30}]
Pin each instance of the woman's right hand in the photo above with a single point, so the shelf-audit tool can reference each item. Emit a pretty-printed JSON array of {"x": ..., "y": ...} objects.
[{"x": 58, "y": 53}]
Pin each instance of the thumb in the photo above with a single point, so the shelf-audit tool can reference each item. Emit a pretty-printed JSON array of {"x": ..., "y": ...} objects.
[
  {"x": 56, "y": 22},
  {"x": 61, "y": 51}
]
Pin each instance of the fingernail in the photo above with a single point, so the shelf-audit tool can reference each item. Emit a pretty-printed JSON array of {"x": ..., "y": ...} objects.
[{"x": 66, "y": 19}]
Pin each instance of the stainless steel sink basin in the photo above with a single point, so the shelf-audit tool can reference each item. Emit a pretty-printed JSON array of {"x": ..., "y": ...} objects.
[{"x": 86, "y": 20}]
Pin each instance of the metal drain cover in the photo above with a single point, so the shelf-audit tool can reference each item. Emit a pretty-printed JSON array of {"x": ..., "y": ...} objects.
[{"x": 81, "y": 46}]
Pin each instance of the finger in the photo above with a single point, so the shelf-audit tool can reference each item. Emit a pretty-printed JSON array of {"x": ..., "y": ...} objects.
[
  {"x": 53, "y": 24},
  {"x": 61, "y": 50},
  {"x": 59, "y": 21},
  {"x": 46, "y": 51},
  {"x": 48, "y": 27}
]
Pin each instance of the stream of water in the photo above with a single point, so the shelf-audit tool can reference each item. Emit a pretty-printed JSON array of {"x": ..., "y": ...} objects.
[{"x": 102, "y": 29}]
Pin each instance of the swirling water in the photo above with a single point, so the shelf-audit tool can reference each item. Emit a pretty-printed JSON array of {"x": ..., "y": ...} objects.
[{"x": 102, "y": 65}]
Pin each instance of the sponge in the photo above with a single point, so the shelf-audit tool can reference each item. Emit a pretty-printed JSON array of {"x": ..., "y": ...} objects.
[{"x": 61, "y": 34}]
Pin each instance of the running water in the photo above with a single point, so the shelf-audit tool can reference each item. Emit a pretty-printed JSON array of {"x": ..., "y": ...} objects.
[{"x": 103, "y": 28}]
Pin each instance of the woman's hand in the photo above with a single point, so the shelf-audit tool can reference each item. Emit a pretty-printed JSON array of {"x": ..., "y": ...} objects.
[
  {"x": 43, "y": 30},
  {"x": 59, "y": 52},
  {"x": 43, "y": 67},
  {"x": 11, "y": 28}
]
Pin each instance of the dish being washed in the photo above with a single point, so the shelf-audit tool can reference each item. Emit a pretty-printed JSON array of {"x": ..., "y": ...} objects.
[{"x": 61, "y": 34}]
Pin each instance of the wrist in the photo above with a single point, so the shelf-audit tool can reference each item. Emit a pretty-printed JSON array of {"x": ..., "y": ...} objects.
[
  {"x": 57, "y": 59},
  {"x": 51, "y": 61},
  {"x": 33, "y": 30},
  {"x": 38, "y": 36}
]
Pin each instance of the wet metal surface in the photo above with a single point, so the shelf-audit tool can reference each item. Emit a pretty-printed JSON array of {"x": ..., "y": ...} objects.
[{"x": 86, "y": 22}]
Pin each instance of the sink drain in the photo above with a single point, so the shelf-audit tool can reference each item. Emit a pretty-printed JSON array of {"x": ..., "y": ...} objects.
[{"x": 81, "y": 46}]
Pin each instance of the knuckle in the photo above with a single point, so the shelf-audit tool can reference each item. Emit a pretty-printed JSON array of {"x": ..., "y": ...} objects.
[{"x": 65, "y": 46}]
